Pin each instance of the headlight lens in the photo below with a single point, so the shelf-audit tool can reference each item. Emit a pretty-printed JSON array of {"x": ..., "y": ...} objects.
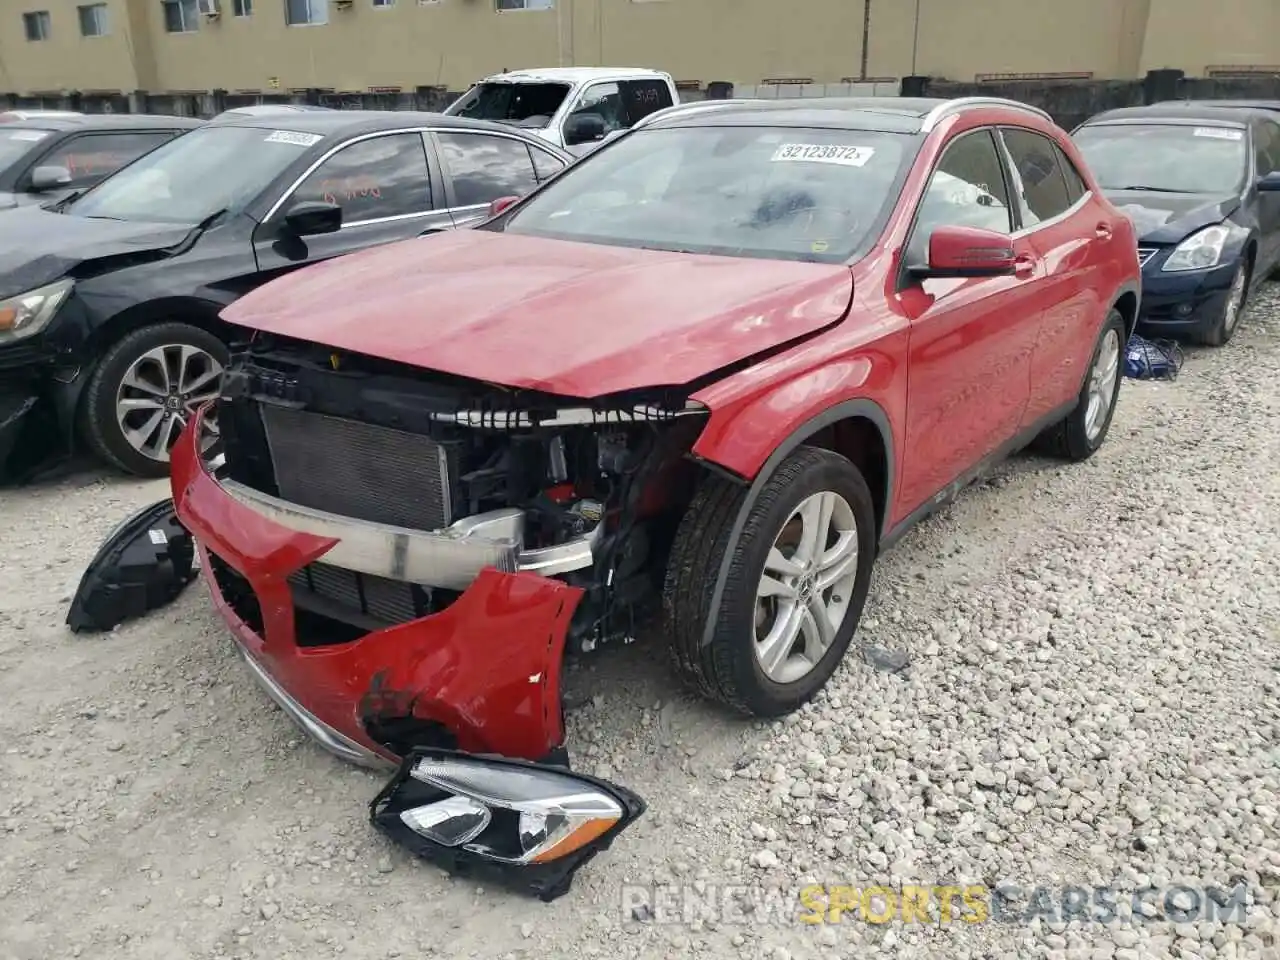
[
  {"x": 28, "y": 313},
  {"x": 554, "y": 814},
  {"x": 1200, "y": 251}
]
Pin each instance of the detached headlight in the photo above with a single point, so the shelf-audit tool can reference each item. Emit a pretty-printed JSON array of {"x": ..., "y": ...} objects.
[
  {"x": 529, "y": 823},
  {"x": 1200, "y": 251},
  {"x": 28, "y": 313}
]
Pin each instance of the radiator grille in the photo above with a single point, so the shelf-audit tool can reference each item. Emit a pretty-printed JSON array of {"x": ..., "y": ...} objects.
[
  {"x": 390, "y": 601},
  {"x": 1145, "y": 254},
  {"x": 359, "y": 470}
]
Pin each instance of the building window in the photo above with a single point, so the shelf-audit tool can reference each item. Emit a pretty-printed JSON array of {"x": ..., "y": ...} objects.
[
  {"x": 524, "y": 4},
  {"x": 242, "y": 8},
  {"x": 299, "y": 13},
  {"x": 93, "y": 20},
  {"x": 181, "y": 16},
  {"x": 36, "y": 25},
  {"x": 383, "y": 4}
]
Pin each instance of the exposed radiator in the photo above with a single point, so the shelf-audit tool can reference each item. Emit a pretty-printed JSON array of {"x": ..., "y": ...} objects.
[
  {"x": 359, "y": 470},
  {"x": 389, "y": 601}
]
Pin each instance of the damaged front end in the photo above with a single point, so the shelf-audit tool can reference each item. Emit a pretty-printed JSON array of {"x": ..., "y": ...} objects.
[{"x": 406, "y": 558}]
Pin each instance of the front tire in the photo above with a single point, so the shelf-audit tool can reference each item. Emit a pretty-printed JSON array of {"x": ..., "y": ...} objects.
[
  {"x": 1079, "y": 435},
  {"x": 1237, "y": 299},
  {"x": 144, "y": 390},
  {"x": 797, "y": 583}
]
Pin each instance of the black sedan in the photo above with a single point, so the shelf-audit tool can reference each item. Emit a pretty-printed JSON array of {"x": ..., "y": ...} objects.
[
  {"x": 1202, "y": 185},
  {"x": 44, "y": 156},
  {"x": 109, "y": 300}
]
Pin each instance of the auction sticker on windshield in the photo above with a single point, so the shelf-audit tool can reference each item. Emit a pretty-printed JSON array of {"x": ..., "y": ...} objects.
[
  {"x": 823, "y": 153},
  {"x": 297, "y": 139},
  {"x": 1219, "y": 133}
]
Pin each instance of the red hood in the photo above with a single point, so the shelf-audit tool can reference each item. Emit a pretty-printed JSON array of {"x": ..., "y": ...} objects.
[{"x": 574, "y": 319}]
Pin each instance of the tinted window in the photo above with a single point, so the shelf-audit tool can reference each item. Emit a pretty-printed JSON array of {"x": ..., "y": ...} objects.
[
  {"x": 793, "y": 193},
  {"x": 382, "y": 177},
  {"x": 484, "y": 168},
  {"x": 1076, "y": 187},
  {"x": 643, "y": 97},
  {"x": 92, "y": 157},
  {"x": 1267, "y": 147},
  {"x": 1037, "y": 176},
  {"x": 545, "y": 164},
  {"x": 1164, "y": 158},
  {"x": 966, "y": 189}
]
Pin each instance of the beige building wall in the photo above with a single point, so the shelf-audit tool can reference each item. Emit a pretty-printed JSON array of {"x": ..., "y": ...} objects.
[{"x": 453, "y": 42}]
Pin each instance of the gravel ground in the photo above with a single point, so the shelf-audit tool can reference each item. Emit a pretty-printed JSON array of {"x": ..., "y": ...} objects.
[{"x": 1092, "y": 698}]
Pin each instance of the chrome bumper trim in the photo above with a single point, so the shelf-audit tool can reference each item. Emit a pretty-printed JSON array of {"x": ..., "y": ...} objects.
[
  {"x": 450, "y": 558},
  {"x": 329, "y": 739}
]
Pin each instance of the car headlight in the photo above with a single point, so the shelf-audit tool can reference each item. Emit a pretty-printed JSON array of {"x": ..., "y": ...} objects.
[
  {"x": 532, "y": 824},
  {"x": 1200, "y": 251},
  {"x": 28, "y": 313}
]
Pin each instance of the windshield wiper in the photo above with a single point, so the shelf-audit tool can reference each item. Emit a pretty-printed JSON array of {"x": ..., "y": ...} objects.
[
  {"x": 58, "y": 206},
  {"x": 1144, "y": 188}
]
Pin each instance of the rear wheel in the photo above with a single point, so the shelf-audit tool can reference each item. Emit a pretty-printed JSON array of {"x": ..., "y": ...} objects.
[
  {"x": 1081, "y": 432},
  {"x": 797, "y": 582},
  {"x": 145, "y": 389}
]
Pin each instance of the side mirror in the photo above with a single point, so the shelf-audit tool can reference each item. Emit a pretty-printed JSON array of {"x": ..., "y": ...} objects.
[
  {"x": 956, "y": 252},
  {"x": 44, "y": 179},
  {"x": 583, "y": 128},
  {"x": 311, "y": 217},
  {"x": 501, "y": 204},
  {"x": 1270, "y": 183}
]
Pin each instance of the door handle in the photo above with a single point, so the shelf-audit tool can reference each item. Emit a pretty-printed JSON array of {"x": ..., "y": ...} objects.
[
  {"x": 1023, "y": 265},
  {"x": 1103, "y": 231}
]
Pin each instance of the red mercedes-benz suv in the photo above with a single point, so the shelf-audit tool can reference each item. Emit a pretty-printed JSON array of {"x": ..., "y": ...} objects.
[{"x": 707, "y": 374}]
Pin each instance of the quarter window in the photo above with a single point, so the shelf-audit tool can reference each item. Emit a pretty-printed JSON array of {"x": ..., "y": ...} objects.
[
  {"x": 383, "y": 177},
  {"x": 545, "y": 163},
  {"x": 93, "y": 157},
  {"x": 1039, "y": 181},
  {"x": 484, "y": 168},
  {"x": 36, "y": 25},
  {"x": 1076, "y": 187},
  {"x": 93, "y": 20},
  {"x": 181, "y": 16},
  {"x": 967, "y": 189}
]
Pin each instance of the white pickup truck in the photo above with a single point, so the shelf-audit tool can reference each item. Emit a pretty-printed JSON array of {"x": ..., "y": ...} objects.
[{"x": 576, "y": 108}]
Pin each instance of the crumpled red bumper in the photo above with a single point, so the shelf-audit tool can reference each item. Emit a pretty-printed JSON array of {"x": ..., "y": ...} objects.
[{"x": 487, "y": 667}]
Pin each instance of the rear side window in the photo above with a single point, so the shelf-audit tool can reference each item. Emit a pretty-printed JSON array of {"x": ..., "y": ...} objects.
[
  {"x": 95, "y": 156},
  {"x": 1038, "y": 176},
  {"x": 371, "y": 179},
  {"x": 1267, "y": 147},
  {"x": 643, "y": 97},
  {"x": 545, "y": 163},
  {"x": 1076, "y": 187},
  {"x": 484, "y": 168}
]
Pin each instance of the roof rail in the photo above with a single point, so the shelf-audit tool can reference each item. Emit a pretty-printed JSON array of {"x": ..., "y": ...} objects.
[
  {"x": 943, "y": 110},
  {"x": 690, "y": 107}
]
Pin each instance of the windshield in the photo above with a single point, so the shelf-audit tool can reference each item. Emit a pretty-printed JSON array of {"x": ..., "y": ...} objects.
[
  {"x": 1167, "y": 158},
  {"x": 524, "y": 104},
  {"x": 783, "y": 193},
  {"x": 16, "y": 143},
  {"x": 189, "y": 179}
]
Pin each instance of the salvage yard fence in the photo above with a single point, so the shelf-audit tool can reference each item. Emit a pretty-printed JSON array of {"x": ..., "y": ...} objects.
[{"x": 1068, "y": 101}]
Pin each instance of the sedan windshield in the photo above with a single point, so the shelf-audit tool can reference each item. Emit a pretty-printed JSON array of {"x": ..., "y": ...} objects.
[
  {"x": 784, "y": 193},
  {"x": 1165, "y": 158},
  {"x": 199, "y": 174},
  {"x": 16, "y": 143},
  {"x": 530, "y": 105}
]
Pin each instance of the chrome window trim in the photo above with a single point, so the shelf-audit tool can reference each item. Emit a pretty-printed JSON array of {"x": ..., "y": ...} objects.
[
  {"x": 421, "y": 131},
  {"x": 1066, "y": 214}
]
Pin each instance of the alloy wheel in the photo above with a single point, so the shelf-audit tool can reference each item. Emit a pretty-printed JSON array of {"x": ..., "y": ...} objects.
[
  {"x": 1235, "y": 299},
  {"x": 806, "y": 587},
  {"x": 159, "y": 393},
  {"x": 1102, "y": 384}
]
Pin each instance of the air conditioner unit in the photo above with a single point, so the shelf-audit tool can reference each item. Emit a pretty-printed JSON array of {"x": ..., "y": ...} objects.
[{"x": 211, "y": 9}]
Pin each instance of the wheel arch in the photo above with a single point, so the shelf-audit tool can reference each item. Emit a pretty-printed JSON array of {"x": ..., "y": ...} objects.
[
  {"x": 858, "y": 429},
  {"x": 1127, "y": 300}
]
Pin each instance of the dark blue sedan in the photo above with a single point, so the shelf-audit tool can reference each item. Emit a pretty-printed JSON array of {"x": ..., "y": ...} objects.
[{"x": 1202, "y": 185}]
